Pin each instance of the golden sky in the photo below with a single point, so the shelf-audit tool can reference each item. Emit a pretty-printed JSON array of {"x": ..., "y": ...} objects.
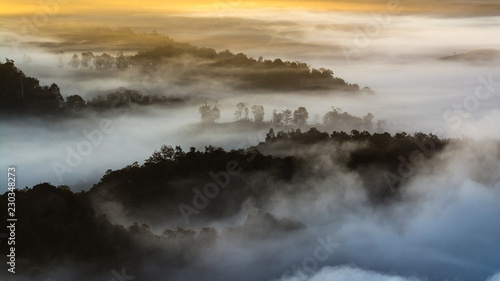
[
  {"x": 463, "y": 7},
  {"x": 13, "y": 7}
]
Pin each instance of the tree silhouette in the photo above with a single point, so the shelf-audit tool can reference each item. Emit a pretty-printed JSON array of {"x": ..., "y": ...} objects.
[
  {"x": 209, "y": 114},
  {"x": 345, "y": 121},
  {"x": 258, "y": 113},
  {"x": 75, "y": 61},
  {"x": 22, "y": 94},
  {"x": 87, "y": 58},
  {"x": 300, "y": 116},
  {"x": 245, "y": 113},
  {"x": 75, "y": 102},
  {"x": 103, "y": 62},
  {"x": 287, "y": 117},
  {"x": 239, "y": 110},
  {"x": 277, "y": 118},
  {"x": 121, "y": 62}
]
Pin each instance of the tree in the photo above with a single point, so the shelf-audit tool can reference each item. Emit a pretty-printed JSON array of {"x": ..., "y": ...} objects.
[
  {"x": 208, "y": 53},
  {"x": 104, "y": 61},
  {"x": 215, "y": 114},
  {"x": 54, "y": 95},
  {"x": 25, "y": 93},
  {"x": 167, "y": 152},
  {"x": 207, "y": 234},
  {"x": 75, "y": 102},
  {"x": 75, "y": 61},
  {"x": 87, "y": 58},
  {"x": 300, "y": 116},
  {"x": 332, "y": 117},
  {"x": 258, "y": 113},
  {"x": 277, "y": 118},
  {"x": 367, "y": 91},
  {"x": 209, "y": 114},
  {"x": 344, "y": 120},
  {"x": 367, "y": 121},
  {"x": 270, "y": 135},
  {"x": 239, "y": 110},
  {"x": 121, "y": 61},
  {"x": 246, "y": 111},
  {"x": 287, "y": 116}
]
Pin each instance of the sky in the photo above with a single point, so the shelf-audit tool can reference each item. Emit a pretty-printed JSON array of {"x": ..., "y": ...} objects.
[{"x": 453, "y": 7}]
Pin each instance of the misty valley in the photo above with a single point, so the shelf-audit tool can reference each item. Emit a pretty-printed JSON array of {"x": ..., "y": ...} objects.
[{"x": 246, "y": 143}]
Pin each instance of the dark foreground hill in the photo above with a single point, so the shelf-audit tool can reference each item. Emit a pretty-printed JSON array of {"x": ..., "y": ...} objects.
[{"x": 192, "y": 189}]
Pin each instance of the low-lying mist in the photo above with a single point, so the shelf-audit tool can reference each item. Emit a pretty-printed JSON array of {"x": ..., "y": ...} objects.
[{"x": 317, "y": 221}]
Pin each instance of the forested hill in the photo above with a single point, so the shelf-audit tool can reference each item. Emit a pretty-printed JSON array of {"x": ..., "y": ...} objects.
[
  {"x": 185, "y": 63},
  {"x": 162, "y": 191},
  {"x": 21, "y": 94},
  {"x": 166, "y": 179},
  {"x": 248, "y": 73}
]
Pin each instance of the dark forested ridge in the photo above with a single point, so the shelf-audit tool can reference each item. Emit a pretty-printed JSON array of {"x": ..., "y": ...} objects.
[
  {"x": 249, "y": 73},
  {"x": 181, "y": 64},
  {"x": 23, "y": 95},
  {"x": 155, "y": 191},
  {"x": 20, "y": 94},
  {"x": 194, "y": 63}
]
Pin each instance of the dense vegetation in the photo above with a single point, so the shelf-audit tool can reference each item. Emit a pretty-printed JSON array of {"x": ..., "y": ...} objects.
[
  {"x": 194, "y": 63},
  {"x": 249, "y": 73},
  {"x": 21, "y": 94},
  {"x": 153, "y": 192}
]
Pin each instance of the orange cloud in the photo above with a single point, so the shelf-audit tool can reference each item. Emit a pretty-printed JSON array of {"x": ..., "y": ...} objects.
[
  {"x": 13, "y": 7},
  {"x": 16, "y": 7}
]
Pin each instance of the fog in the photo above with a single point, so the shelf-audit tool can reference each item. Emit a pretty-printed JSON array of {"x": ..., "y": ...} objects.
[
  {"x": 401, "y": 64},
  {"x": 444, "y": 225}
]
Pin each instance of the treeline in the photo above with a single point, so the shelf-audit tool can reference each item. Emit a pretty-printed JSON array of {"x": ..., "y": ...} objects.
[
  {"x": 19, "y": 92},
  {"x": 167, "y": 178},
  {"x": 334, "y": 119},
  {"x": 249, "y": 73},
  {"x": 59, "y": 226},
  {"x": 22, "y": 94}
]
